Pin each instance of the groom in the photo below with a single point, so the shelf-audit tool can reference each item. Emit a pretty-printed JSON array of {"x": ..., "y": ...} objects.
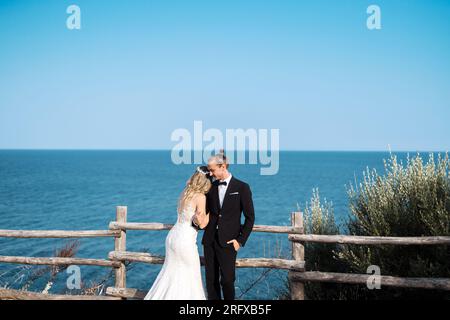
[{"x": 224, "y": 235}]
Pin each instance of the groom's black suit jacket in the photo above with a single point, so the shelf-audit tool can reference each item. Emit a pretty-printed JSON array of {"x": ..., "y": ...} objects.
[{"x": 226, "y": 221}]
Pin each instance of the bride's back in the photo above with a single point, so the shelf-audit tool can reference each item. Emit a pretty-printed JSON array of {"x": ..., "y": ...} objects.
[
  {"x": 192, "y": 198},
  {"x": 186, "y": 209}
]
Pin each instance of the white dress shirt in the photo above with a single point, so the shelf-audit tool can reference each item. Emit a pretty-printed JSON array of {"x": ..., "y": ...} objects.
[{"x": 223, "y": 189}]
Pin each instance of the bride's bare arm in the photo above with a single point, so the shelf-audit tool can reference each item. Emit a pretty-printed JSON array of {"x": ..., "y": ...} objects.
[{"x": 202, "y": 216}]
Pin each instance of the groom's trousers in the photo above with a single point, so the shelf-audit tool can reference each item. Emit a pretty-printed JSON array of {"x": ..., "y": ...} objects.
[{"x": 220, "y": 266}]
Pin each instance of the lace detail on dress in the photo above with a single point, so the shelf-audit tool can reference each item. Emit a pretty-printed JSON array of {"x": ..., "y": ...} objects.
[{"x": 186, "y": 215}]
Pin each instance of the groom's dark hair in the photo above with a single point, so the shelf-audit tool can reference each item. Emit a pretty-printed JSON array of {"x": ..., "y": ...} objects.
[{"x": 205, "y": 170}]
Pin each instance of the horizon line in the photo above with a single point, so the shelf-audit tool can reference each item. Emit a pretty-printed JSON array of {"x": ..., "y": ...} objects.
[{"x": 159, "y": 149}]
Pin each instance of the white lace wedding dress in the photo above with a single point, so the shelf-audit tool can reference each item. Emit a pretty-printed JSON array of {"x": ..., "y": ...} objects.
[{"x": 180, "y": 276}]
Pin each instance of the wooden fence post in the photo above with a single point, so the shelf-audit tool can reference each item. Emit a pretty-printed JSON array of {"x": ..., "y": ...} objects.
[
  {"x": 120, "y": 245},
  {"x": 298, "y": 253}
]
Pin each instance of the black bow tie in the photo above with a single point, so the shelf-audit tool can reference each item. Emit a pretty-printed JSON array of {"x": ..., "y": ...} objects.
[{"x": 218, "y": 183}]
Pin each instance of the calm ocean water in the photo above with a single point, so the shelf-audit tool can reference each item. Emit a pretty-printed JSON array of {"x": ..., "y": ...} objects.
[{"x": 78, "y": 190}]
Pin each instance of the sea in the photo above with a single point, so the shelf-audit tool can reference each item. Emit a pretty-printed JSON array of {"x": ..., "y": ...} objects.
[{"x": 80, "y": 189}]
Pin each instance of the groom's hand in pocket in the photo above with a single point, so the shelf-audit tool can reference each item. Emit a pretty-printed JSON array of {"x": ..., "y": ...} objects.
[{"x": 235, "y": 244}]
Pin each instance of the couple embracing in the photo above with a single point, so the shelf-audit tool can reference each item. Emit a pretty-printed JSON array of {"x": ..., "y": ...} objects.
[{"x": 213, "y": 200}]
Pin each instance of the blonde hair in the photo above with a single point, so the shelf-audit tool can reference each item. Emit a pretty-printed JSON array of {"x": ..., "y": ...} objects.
[{"x": 197, "y": 183}]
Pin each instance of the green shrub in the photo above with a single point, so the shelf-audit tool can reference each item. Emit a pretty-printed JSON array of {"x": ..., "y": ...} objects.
[
  {"x": 319, "y": 219},
  {"x": 411, "y": 199}
]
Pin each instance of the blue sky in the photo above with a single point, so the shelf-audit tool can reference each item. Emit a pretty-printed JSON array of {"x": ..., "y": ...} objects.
[{"x": 138, "y": 70}]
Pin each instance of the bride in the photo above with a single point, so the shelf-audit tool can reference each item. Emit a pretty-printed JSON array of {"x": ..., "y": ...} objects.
[{"x": 180, "y": 276}]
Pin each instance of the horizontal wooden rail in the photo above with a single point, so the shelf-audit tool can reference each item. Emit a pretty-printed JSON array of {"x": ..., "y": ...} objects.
[
  {"x": 296, "y": 266},
  {"x": 240, "y": 263},
  {"x": 58, "y": 233},
  {"x": 423, "y": 283},
  {"x": 59, "y": 261},
  {"x": 128, "y": 293},
  {"x": 9, "y": 294},
  {"x": 136, "y": 257},
  {"x": 114, "y": 225},
  {"x": 277, "y": 229},
  {"x": 369, "y": 240}
]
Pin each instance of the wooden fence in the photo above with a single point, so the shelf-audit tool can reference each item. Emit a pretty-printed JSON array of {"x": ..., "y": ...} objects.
[{"x": 295, "y": 266}]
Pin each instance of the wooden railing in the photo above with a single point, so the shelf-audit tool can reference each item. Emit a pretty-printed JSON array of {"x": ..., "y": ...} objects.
[{"x": 296, "y": 265}]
